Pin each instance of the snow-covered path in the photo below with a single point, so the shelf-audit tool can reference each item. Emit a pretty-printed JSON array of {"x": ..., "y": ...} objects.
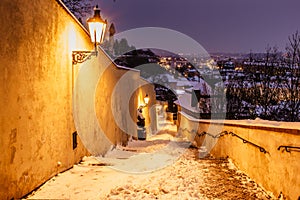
[
  {"x": 190, "y": 178},
  {"x": 185, "y": 177}
]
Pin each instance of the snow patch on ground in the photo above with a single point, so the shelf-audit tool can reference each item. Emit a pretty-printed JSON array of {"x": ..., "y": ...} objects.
[
  {"x": 183, "y": 175},
  {"x": 156, "y": 153}
]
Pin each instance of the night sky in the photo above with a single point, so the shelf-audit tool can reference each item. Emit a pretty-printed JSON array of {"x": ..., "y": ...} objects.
[{"x": 218, "y": 25}]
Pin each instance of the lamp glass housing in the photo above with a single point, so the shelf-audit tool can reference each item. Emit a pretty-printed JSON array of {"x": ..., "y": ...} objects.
[
  {"x": 97, "y": 27},
  {"x": 146, "y": 99}
]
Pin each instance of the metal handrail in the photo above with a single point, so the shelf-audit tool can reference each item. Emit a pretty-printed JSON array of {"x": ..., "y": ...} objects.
[
  {"x": 223, "y": 133},
  {"x": 288, "y": 148},
  {"x": 261, "y": 149},
  {"x": 212, "y": 135}
]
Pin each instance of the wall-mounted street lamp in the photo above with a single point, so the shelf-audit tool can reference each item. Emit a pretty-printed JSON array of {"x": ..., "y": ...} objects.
[
  {"x": 146, "y": 99},
  {"x": 97, "y": 28}
]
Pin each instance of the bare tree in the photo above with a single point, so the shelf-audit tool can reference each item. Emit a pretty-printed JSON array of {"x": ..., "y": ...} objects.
[
  {"x": 79, "y": 7},
  {"x": 292, "y": 92},
  {"x": 268, "y": 85},
  {"x": 234, "y": 100},
  {"x": 273, "y": 84}
]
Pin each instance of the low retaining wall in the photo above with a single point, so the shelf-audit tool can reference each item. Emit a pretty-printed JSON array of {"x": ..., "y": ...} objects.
[{"x": 257, "y": 147}]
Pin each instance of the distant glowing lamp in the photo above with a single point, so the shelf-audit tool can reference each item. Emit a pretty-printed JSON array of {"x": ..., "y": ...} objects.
[
  {"x": 146, "y": 99},
  {"x": 97, "y": 28}
]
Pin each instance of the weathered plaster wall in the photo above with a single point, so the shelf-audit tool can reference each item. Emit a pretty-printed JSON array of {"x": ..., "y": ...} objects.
[
  {"x": 37, "y": 38},
  {"x": 119, "y": 93},
  {"x": 113, "y": 106},
  {"x": 149, "y": 112},
  {"x": 277, "y": 171}
]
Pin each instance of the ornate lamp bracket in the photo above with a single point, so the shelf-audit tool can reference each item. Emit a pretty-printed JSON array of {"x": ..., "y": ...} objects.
[{"x": 82, "y": 56}]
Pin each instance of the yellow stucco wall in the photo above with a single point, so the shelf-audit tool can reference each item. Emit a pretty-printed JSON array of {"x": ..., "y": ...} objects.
[
  {"x": 277, "y": 171},
  {"x": 149, "y": 111},
  {"x": 113, "y": 102},
  {"x": 37, "y": 38},
  {"x": 39, "y": 86},
  {"x": 119, "y": 93}
]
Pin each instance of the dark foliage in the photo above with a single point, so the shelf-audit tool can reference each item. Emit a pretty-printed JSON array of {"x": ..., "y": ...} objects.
[{"x": 80, "y": 8}]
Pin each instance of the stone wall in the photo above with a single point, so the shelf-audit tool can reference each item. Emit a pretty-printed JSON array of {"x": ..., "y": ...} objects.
[{"x": 276, "y": 170}]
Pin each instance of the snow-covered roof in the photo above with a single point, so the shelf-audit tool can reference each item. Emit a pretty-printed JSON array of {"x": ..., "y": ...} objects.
[{"x": 184, "y": 101}]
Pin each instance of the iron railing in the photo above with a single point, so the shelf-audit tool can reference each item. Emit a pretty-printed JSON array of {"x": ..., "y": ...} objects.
[
  {"x": 288, "y": 148},
  {"x": 223, "y": 133}
]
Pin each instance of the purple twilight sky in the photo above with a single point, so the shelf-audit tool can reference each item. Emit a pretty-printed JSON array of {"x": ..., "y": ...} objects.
[{"x": 218, "y": 25}]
